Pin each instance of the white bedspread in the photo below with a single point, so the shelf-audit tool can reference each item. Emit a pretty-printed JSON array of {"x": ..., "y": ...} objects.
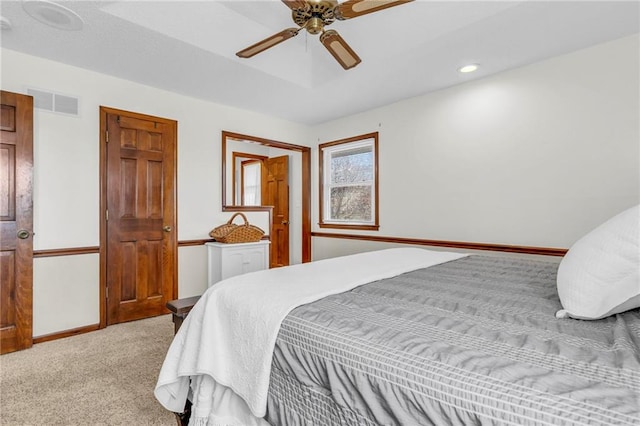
[{"x": 226, "y": 343}]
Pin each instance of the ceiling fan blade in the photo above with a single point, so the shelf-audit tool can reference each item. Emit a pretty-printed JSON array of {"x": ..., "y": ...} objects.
[
  {"x": 339, "y": 49},
  {"x": 295, "y": 4},
  {"x": 354, "y": 8},
  {"x": 268, "y": 42}
]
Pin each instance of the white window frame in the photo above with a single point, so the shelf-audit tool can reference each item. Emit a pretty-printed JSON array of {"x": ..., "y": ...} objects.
[
  {"x": 251, "y": 190},
  {"x": 326, "y": 151}
]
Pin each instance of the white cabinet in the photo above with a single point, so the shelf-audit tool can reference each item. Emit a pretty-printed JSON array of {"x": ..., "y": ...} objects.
[{"x": 227, "y": 260}]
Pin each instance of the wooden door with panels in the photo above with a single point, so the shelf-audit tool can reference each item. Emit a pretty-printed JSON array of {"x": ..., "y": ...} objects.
[
  {"x": 139, "y": 225},
  {"x": 16, "y": 222},
  {"x": 275, "y": 192}
]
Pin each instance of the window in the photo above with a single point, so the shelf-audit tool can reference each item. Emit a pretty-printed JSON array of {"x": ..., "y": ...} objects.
[
  {"x": 349, "y": 183},
  {"x": 251, "y": 186}
]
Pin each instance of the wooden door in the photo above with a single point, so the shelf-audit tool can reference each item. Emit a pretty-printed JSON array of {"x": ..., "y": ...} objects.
[
  {"x": 140, "y": 215},
  {"x": 275, "y": 192},
  {"x": 16, "y": 222}
]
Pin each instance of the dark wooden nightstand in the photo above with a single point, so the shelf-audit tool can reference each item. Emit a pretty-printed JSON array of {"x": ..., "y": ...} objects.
[{"x": 180, "y": 308}]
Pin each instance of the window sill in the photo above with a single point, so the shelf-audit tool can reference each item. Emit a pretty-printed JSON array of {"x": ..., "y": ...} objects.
[{"x": 347, "y": 226}]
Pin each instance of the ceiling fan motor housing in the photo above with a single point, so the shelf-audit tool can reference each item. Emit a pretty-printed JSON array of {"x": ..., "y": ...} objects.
[{"x": 315, "y": 15}]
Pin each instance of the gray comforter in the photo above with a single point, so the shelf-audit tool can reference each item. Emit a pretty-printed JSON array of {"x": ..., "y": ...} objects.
[{"x": 473, "y": 341}]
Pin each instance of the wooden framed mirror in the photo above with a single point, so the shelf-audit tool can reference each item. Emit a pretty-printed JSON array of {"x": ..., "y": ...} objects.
[{"x": 266, "y": 175}]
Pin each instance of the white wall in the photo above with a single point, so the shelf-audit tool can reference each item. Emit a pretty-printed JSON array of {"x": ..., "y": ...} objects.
[
  {"x": 536, "y": 156},
  {"x": 192, "y": 271},
  {"x": 66, "y": 177},
  {"x": 66, "y": 293}
]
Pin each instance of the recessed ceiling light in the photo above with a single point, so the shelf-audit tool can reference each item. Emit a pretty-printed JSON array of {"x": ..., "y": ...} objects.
[
  {"x": 53, "y": 14},
  {"x": 468, "y": 68}
]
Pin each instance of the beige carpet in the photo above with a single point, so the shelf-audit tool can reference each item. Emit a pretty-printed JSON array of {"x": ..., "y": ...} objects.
[{"x": 105, "y": 377}]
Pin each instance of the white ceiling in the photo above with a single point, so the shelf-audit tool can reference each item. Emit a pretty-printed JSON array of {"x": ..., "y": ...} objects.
[{"x": 189, "y": 47}]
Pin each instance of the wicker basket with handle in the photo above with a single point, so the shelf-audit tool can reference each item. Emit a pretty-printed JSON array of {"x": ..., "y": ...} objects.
[{"x": 231, "y": 233}]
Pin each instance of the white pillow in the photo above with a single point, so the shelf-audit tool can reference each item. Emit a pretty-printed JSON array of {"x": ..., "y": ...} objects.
[{"x": 600, "y": 274}]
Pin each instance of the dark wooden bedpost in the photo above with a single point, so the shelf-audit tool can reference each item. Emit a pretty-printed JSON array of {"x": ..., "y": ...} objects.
[{"x": 180, "y": 308}]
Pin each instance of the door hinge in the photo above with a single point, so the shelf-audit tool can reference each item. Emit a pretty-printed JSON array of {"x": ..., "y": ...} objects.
[
  {"x": 106, "y": 136},
  {"x": 106, "y": 215}
]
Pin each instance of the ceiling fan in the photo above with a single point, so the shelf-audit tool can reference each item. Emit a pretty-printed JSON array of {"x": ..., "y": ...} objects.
[{"x": 314, "y": 15}]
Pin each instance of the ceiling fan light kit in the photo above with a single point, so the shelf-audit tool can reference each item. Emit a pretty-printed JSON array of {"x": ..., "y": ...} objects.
[{"x": 314, "y": 16}]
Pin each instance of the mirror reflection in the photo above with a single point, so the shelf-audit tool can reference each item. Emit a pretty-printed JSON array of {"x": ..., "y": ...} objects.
[
  {"x": 246, "y": 178},
  {"x": 262, "y": 174}
]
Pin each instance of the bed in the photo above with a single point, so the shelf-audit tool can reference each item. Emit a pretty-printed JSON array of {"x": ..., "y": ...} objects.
[{"x": 446, "y": 339}]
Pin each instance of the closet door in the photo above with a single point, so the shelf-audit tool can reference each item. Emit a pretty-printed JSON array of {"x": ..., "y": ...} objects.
[
  {"x": 16, "y": 222},
  {"x": 140, "y": 216}
]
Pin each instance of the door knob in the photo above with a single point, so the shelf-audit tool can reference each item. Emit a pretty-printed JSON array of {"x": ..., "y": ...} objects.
[
  {"x": 166, "y": 228},
  {"x": 285, "y": 222},
  {"x": 23, "y": 234}
]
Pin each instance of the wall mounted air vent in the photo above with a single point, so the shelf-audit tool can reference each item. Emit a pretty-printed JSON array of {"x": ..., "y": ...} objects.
[{"x": 54, "y": 102}]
